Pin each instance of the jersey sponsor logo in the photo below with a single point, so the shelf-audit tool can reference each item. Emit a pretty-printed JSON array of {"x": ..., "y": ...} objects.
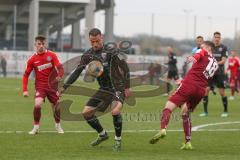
[
  {"x": 49, "y": 58},
  {"x": 37, "y": 62},
  {"x": 220, "y": 49},
  {"x": 44, "y": 66},
  {"x": 105, "y": 64},
  {"x": 217, "y": 55}
]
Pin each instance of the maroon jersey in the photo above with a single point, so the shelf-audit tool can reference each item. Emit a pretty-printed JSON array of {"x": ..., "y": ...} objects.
[
  {"x": 202, "y": 70},
  {"x": 44, "y": 65}
]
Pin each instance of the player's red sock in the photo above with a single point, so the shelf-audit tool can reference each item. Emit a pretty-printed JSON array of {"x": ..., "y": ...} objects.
[
  {"x": 187, "y": 127},
  {"x": 37, "y": 114},
  {"x": 166, "y": 114}
]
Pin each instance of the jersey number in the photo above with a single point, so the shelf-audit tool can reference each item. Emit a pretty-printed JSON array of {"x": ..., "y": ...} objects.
[{"x": 211, "y": 68}]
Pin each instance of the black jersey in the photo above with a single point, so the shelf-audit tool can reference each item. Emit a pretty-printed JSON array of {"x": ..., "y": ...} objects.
[
  {"x": 115, "y": 75},
  {"x": 218, "y": 53},
  {"x": 172, "y": 62}
]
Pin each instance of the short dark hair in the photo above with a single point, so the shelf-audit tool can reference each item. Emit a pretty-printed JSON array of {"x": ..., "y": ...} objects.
[
  {"x": 95, "y": 32},
  {"x": 199, "y": 37},
  {"x": 217, "y": 33},
  {"x": 40, "y": 38},
  {"x": 210, "y": 44}
]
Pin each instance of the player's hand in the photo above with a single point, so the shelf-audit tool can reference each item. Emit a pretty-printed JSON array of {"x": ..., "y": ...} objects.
[
  {"x": 58, "y": 78},
  {"x": 127, "y": 92},
  {"x": 60, "y": 91},
  {"x": 25, "y": 94},
  {"x": 191, "y": 59}
]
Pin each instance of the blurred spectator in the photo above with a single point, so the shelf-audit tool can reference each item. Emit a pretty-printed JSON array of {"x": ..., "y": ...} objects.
[
  {"x": 151, "y": 73},
  {"x": 3, "y": 65}
]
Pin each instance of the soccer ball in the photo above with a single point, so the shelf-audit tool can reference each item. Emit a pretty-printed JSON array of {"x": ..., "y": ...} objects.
[{"x": 94, "y": 68}]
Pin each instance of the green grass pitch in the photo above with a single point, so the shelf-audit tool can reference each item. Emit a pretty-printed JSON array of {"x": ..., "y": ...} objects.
[{"x": 211, "y": 142}]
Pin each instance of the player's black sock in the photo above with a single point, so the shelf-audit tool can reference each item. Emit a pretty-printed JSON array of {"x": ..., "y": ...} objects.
[
  {"x": 94, "y": 123},
  {"x": 168, "y": 87},
  {"x": 205, "y": 104},
  {"x": 225, "y": 103},
  {"x": 117, "y": 122}
]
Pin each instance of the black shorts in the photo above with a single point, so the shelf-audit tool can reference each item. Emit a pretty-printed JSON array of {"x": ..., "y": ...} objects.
[
  {"x": 102, "y": 99},
  {"x": 218, "y": 80},
  {"x": 172, "y": 74}
]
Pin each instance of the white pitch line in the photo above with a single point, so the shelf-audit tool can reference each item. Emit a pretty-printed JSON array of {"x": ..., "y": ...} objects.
[
  {"x": 212, "y": 124},
  {"x": 125, "y": 131}
]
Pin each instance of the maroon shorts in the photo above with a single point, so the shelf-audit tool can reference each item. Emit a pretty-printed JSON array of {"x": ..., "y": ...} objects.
[
  {"x": 49, "y": 93},
  {"x": 188, "y": 93}
]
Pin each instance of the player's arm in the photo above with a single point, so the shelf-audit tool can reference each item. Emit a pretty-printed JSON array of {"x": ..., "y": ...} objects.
[
  {"x": 26, "y": 74},
  {"x": 126, "y": 73},
  {"x": 223, "y": 60},
  {"x": 59, "y": 67},
  {"x": 196, "y": 57},
  {"x": 224, "y": 56},
  {"x": 76, "y": 73}
]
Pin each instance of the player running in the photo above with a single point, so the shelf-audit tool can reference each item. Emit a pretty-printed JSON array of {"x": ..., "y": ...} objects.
[
  {"x": 45, "y": 65},
  {"x": 219, "y": 79},
  {"x": 114, "y": 87},
  {"x": 190, "y": 92},
  {"x": 233, "y": 65}
]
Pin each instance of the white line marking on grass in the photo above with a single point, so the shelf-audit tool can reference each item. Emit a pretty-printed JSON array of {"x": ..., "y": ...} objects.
[
  {"x": 196, "y": 128},
  {"x": 125, "y": 131}
]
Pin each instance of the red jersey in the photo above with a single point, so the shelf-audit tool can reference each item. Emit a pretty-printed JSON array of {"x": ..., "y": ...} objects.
[
  {"x": 44, "y": 65},
  {"x": 202, "y": 70},
  {"x": 233, "y": 64}
]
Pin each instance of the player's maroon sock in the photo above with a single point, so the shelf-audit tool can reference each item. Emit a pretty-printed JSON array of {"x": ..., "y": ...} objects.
[
  {"x": 37, "y": 114},
  {"x": 166, "y": 114},
  {"x": 187, "y": 126},
  {"x": 233, "y": 90},
  {"x": 57, "y": 115}
]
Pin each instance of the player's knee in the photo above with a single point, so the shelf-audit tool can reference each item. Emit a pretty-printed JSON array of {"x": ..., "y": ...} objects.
[
  {"x": 205, "y": 99},
  {"x": 87, "y": 113},
  {"x": 37, "y": 106},
  {"x": 116, "y": 111}
]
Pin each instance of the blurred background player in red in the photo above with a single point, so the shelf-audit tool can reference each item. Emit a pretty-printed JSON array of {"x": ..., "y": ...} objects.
[
  {"x": 47, "y": 69},
  {"x": 190, "y": 92},
  {"x": 233, "y": 65}
]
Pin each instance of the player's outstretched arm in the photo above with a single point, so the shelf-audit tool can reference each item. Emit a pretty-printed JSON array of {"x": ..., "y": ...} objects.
[
  {"x": 73, "y": 77},
  {"x": 58, "y": 67},
  {"x": 27, "y": 72}
]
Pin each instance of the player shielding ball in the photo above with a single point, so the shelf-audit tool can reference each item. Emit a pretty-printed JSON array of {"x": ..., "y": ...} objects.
[
  {"x": 114, "y": 85},
  {"x": 190, "y": 92},
  {"x": 45, "y": 65}
]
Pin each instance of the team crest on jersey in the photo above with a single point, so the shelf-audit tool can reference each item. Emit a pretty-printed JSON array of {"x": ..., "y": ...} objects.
[
  {"x": 104, "y": 56},
  {"x": 49, "y": 58},
  {"x": 220, "y": 49}
]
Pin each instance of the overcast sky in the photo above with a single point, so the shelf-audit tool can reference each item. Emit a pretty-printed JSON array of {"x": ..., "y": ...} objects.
[{"x": 135, "y": 16}]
